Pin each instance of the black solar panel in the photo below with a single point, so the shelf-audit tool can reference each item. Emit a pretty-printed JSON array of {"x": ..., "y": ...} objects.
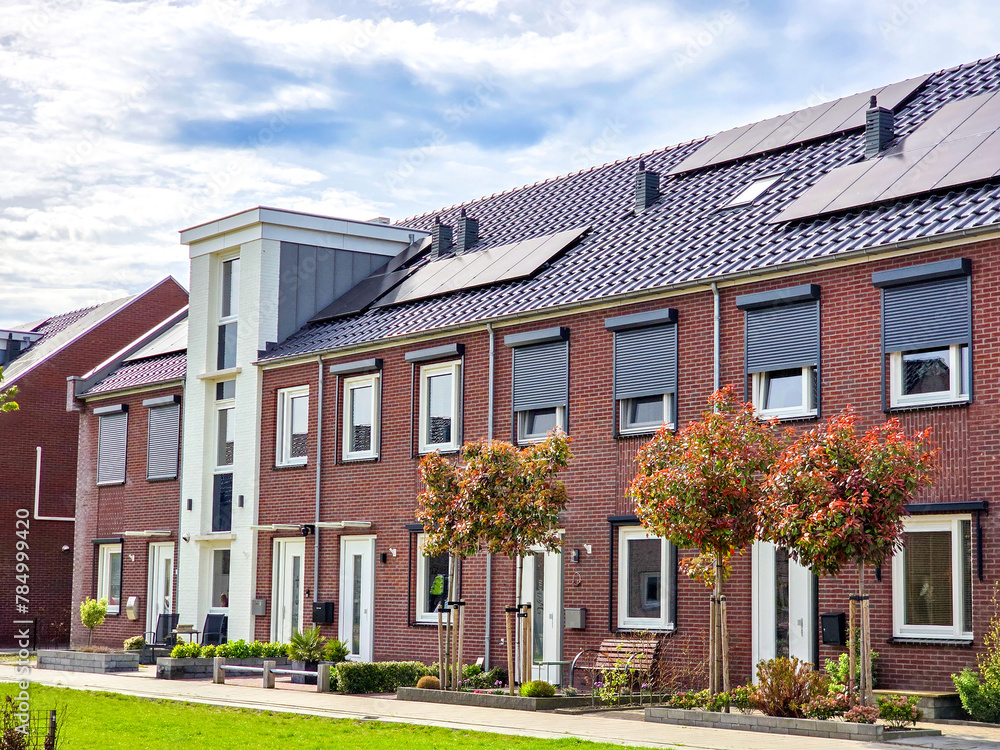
[
  {"x": 796, "y": 127},
  {"x": 958, "y": 144}
]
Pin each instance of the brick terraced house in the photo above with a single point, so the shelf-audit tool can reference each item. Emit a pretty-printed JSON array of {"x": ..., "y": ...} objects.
[
  {"x": 39, "y": 460},
  {"x": 845, "y": 254}
]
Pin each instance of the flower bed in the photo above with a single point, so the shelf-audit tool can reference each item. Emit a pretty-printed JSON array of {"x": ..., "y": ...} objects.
[
  {"x": 489, "y": 700},
  {"x": 85, "y": 661},
  {"x": 780, "y": 725}
]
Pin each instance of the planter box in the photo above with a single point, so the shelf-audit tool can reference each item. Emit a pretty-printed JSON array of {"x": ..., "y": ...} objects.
[
  {"x": 83, "y": 661},
  {"x": 485, "y": 700},
  {"x": 304, "y": 679},
  {"x": 777, "y": 725},
  {"x": 934, "y": 705},
  {"x": 168, "y": 668}
]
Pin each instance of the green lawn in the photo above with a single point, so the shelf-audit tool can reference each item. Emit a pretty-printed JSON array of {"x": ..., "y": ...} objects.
[{"x": 109, "y": 721}]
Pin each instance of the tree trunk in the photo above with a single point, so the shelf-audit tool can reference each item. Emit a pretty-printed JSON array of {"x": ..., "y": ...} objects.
[
  {"x": 712, "y": 688},
  {"x": 90, "y": 638},
  {"x": 852, "y": 650},
  {"x": 456, "y": 602},
  {"x": 440, "y": 645},
  {"x": 448, "y": 625},
  {"x": 723, "y": 639},
  {"x": 510, "y": 653},
  {"x": 865, "y": 685}
]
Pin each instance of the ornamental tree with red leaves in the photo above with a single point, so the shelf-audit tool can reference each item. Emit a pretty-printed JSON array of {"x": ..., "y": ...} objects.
[
  {"x": 836, "y": 497},
  {"x": 700, "y": 487}
]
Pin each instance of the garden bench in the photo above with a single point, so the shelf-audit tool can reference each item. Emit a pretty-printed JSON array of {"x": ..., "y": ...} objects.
[
  {"x": 268, "y": 671},
  {"x": 637, "y": 656}
]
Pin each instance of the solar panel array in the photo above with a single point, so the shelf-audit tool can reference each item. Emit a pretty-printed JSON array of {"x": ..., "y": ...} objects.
[
  {"x": 958, "y": 144},
  {"x": 796, "y": 127},
  {"x": 503, "y": 263}
]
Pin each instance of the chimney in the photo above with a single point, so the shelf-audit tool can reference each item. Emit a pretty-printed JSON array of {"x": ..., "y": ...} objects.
[
  {"x": 468, "y": 233},
  {"x": 647, "y": 187},
  {"x": 440, "y": 239},
  {"x": 878, "y": 128}
]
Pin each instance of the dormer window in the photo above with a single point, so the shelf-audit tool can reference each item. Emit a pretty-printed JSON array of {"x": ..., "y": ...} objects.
[{"x": 753, "y": 191}]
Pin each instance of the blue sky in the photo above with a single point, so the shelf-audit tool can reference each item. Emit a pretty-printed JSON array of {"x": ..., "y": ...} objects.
[{"x": 122, "y": 123}]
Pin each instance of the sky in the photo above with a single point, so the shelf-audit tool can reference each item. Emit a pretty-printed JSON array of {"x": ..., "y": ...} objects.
[{"x": 122, "y": 123}]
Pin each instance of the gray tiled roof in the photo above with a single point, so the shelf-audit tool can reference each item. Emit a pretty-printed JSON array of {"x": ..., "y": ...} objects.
[
  {"x": 143, "y": 373},
  {"x": 685, "y": 236}
]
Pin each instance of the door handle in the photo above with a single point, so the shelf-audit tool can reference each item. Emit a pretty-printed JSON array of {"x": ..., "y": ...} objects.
[{"x": 802, "y": 630}]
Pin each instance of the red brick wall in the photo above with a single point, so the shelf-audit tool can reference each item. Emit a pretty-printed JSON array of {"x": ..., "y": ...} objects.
[
  {"x": 385, "y": 491},
  {"x": 106, "y": 511},
  {"x": 43, "y": 421}
]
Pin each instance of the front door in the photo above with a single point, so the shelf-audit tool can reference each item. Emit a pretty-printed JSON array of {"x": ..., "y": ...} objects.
[
  {"x": 357, "y": 595},
  {"x": 542, "y": 589},
  {"x": 289, "y": 560},
  {"x": 784, "y": 606},
  {"x": 160, "y": 586}
]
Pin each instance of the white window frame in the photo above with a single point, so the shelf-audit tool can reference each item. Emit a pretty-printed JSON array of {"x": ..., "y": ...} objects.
[
  {"x": 953, "y": 395},
  {"x": 794, "y": 412},
  {"x": 104, "y": 552},
  {"x": 426, "y": 373},
  {"x": 221, "y": 319},
  {"x": 283, "y": 455},
  {"x": 422, "y": 572},
  {"x": 917, "y": 524},
  {"x": 212, "y": 608},
  {"x": 668, "y": 413},
  {"x": 753, "y": 191},
  {"x": 221, "y": 406},
  {"x": 373, "y": 381},
  {"x": 524, "y": 438},
  {"x": 663, "y": 622}
]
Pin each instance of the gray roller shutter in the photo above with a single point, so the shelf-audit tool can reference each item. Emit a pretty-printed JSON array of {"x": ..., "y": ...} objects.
[
  {"x": 925, "y": 315},
  {"x": 541, "y": 376},
  {"x": 111, "y": 443},
  {"x": 164, "y": 440},
  {"x": 783, "y": 337},
  {"x": 645, "y": 362}
]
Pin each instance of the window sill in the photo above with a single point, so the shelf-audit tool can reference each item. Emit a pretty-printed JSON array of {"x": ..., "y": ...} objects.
[
  {"x": 929, "y": 405},
  {"x": 627, "y": 629},
  {"x": 450, "y": 450},
  {"x": 622, "y": 434},
  {"x": 359, "y": 460},
  {"x": 288, "y": 467},
  {"x": 423, "y": 623},
  {"x": 220, "y": 374},
  {"x": 162, "y": 479},
  {"x": 799, "y": 417},
  {"x": 925, "y": 641}
]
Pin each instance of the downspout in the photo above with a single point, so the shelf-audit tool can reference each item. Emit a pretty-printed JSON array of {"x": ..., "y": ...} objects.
[
  {"x": 319, "y": 466},
  {"x": 716, "y": 338},
  {"x": 38, "y": 489},
  {"x": 489, "y": 555}
]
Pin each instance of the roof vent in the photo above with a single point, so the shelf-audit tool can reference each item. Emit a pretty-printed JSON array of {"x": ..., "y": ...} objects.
[
  {"x": 647, "y": 187},
  {"x": 468, "y": 233},
  {"x": 440, "y": 239},
  {"x": 878, "y": 128}
]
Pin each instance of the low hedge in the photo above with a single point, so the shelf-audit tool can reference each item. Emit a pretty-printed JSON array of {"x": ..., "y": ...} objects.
[{"x": 376, "y": 677}]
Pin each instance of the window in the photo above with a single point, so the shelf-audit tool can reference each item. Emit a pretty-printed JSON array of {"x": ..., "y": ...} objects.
[
  {"x": 439, "y": 406},
  {"x": 111, "y": 444},
  {"x": 753, "y": 191},
  {"x": 224, "y": 450},
  {"x": 432, "y": 582},
  {"x": 932, "y": 579},
  {"x": 536, "y": 424},
  {"x": 293, "y": 426},
  {"x": 927, "y": 333},
  {"x": 785, "y": 393},
  {"x": 645, "y": 580},
  {"x": 225, "y": 435},
  {"x": 782, "y": 350},
  {"x": 163, "y": 440},
  {"x": 645, "y": 376},
  {"x": 361, "y": 408},
  {"x": 229, "y": 310},
  {"x": 220, "y": 578},
  {"x": 930, "y": 376},
  {"x": 109, "y": 576}
]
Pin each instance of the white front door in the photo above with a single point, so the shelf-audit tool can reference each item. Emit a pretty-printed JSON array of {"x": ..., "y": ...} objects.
[
  {"x": 542, "y": 589},
  {"x": 357, "y": 595},
  {"x": 784, "y": 606},
  {"x": 160, "y": 585},
  {"x": 287, "y": 613}
]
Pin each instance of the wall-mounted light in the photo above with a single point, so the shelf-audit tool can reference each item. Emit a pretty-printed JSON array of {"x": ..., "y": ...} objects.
[
  {"x": 65, "y": 548},
  {"x": 239, "y": 501},
  {"x": 589, "y": 549},
  {"x": 131, "y": 558},
  {"x": 190, "y": 503},
  {"x": 186, "y": 537},
  {"x": 392, "y": 551}
]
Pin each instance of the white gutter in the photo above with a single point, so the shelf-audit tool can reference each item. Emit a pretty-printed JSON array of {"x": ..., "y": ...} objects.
[{"x": 38, "y": 490}]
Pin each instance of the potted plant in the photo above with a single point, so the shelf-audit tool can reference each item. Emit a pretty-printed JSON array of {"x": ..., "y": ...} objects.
[{"x": 306, "y": 649}]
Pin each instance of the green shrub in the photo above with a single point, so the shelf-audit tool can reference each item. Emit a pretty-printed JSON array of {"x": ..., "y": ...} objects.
[
  {"x": 92, "y": 614},
  {"x": 335, "y": 651},
  {"x": 256, "y": 649},
  {"x": 481, "y": 680},
  {"x": 307, "y": 645},
  {"x": 785, "y": 686},
  {"x": 429, "y": 682},
  {"x": 135, "y": 643},
  {"x": 898, "y": 711},
  {"x": 741, "y": 698},
  {"x": 717, "y": 702},
  {"x": 274, "y": 650},
  {"x": 238, "y": 649},
  {"x": 209, "y": 651},
  {"x": 690, "y": 700},
  {"x": 862, "y": 715},
  {"x": 980, "y": 693},
  {"x": 537, "y": 689},
  {"x": 839, "y": 668},
  {"x": 184, "y": 650},
  {"x": 826, "y": 706},
  {"x": 376, "y": 677}
]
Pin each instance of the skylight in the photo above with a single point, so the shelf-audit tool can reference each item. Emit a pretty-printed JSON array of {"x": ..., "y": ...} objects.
[{"x": 753, "y": 191}]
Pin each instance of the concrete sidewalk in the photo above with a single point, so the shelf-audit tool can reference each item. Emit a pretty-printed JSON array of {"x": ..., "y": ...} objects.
[{"x": 599, "y": 727}]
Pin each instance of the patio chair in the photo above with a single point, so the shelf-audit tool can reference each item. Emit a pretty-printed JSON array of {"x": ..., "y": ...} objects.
[
  {"x": 215, "y": 631},
  {"x": 162, "y": 638}
]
